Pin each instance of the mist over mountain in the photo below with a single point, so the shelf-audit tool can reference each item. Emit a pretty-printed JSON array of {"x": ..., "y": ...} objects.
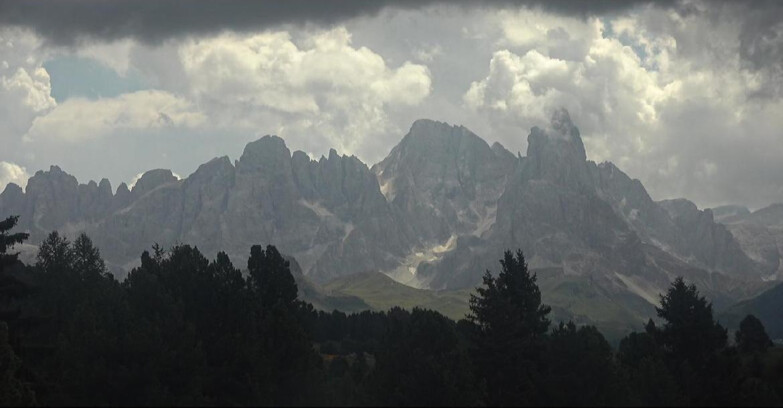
[{"x": 437, "y": 212}]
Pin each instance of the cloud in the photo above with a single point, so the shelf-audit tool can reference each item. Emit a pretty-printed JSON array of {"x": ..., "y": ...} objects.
[
  {"x": 25, "y": 88},
  {"x": 670, "y": 107},
  {"x": 115, "y": 54},
  {"x": 320, "y": 89},
  {"x": 428, "y": 54},
  {"x": 79, "y": 119},
  {"x": 12, "y": 173},
  {"x": 684, "y": 95},
  {"x": 68, "y": 21},
  {"x": 607, "y": 90},
  {"x": 761, "y": 46},
  {"x": 567, "y": 38}
]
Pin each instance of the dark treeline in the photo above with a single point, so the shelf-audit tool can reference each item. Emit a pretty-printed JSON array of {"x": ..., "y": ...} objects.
[{"x": 185, "y": 330}]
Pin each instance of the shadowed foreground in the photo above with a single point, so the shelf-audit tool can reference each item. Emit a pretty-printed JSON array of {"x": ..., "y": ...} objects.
[{"x": 185, "y": 330}]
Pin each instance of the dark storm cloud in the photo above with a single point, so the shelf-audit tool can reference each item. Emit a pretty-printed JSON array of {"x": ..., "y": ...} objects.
[
  {"x": 64, "y": 22},
  {"x": 761, "y": 44}
]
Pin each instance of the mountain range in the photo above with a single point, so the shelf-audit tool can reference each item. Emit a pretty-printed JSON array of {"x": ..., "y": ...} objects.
[{"x": 437, "y": 212}]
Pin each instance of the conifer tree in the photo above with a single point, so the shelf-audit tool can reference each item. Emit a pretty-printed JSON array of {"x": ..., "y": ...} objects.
[
  {"x": 751, "y": 336},
  {"x": 689, "y": 332},
  {"x": 13, "y": 392},
  {"x": 511, "y": 328},
  {"x": 270, "y": 276},
  {"x": 8, "y": 240},
  {"x": 11, "y": 287}
]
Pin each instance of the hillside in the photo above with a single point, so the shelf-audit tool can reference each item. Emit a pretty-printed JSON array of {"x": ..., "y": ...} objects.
[
  {"x": 767, "y": 307},
  {"x": 382, "y": 293}
]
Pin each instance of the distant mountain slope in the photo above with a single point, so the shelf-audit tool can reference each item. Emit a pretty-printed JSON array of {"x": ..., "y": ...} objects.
[
  {"x": 436, "y": 213},
  {"x": 329, "y": 214},
  {"x": 727, "y": 212},
  {"x": 760, "y": 234},
  {"x": 596, "y": 224},
  {"x": 768, "y": 307}
]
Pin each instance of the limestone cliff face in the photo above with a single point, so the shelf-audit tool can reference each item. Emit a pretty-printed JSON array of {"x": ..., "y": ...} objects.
[
  {"x": 444, "y": 180},
  {"x": 550, "y": 208},
  {"x": 329, "y": 214},
  {"x": 593, "y": 223},
  {"x": 759, "y": 234},
  {"x": 710, "y": 243},
  {"x": 436, "y": 212}
]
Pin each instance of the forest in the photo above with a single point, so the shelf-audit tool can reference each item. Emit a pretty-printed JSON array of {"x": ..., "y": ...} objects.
[{"x": 186, "y": 330}]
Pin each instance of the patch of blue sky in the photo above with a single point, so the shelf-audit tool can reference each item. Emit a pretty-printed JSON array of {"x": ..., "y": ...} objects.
[
  {"x": 626, "y": 40},
  {"x": 73, "y": 76}
]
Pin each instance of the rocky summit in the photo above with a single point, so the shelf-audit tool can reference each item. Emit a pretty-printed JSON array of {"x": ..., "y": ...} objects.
[{"x": 436, "y": 213}]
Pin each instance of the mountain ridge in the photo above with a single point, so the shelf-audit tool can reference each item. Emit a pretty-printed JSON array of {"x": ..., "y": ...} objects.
[{"x": 436, "y": 213}]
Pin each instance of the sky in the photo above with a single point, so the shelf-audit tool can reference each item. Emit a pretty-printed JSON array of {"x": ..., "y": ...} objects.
[{"x": 686, "y": 95}]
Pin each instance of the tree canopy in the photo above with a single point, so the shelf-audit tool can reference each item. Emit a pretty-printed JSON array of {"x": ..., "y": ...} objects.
[{"x": 183, "y": 329}]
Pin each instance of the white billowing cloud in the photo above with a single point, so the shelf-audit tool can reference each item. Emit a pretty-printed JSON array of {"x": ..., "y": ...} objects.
[
  {"x": 559, "y": 37},
  {"x": 30, "y": 87},
  {"x": 322, "y": 87},
  {"x": 25, "y": 89},
  {"x": 665, "y": 95},
  {"x": 646, "y": 93},
  {"x": 79, "y": 119},
  {"x": 115, "y": 55},
  {"x": 12, "y": 173},
  {"x": 427, "y": 54},
  {"x": 608, "y": 92}
]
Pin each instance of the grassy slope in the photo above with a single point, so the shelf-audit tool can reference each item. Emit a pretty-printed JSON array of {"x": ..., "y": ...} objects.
[
  {"x": 382, "y": 293},
  {"x": 571, "y": 298},
  {"x": 578, "y": 299}
]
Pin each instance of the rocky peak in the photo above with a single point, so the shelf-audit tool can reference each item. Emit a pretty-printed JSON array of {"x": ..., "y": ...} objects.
[
  {"x": 336, "y": 180},
  {"x": 12, "y": 190},
  {"x": 151, "y": 180},
  {"x": 94, "y": 200},
  {"x": 11, "y": 200},
  {"x": 218, "y": 165},
  {"x": 562, "y": 125},
  {"x": 428, "y": 126},
  {"x": 267, "y": 153},
  {"x": 430, "y": 134},
  {"x": 680, "y": 208},
  {"x": 444, "y": 179},
  {"x": 709, "y": 242},
  {"x": 213, "y": 178},
  {"x": 53, "y": 184},
  {"x": 557, "y": 154},
  {"x": 264, "y": 186},
  {"x": 122, "y": 190},
  {"x": 561, "y": 138},
  {"x": 53, "y": 196},
  {"x": 771, "y": 215},
  {"x": 728, "y": 213},
  {"x": 55, "y": 176},
  {"x": 122, "y": 197},
  {"x": 437, "y": 149},
  {"x": 302, "y": 168},
  {"x": 502, "y": 153},
  {"x": 104, "y": 188}
]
